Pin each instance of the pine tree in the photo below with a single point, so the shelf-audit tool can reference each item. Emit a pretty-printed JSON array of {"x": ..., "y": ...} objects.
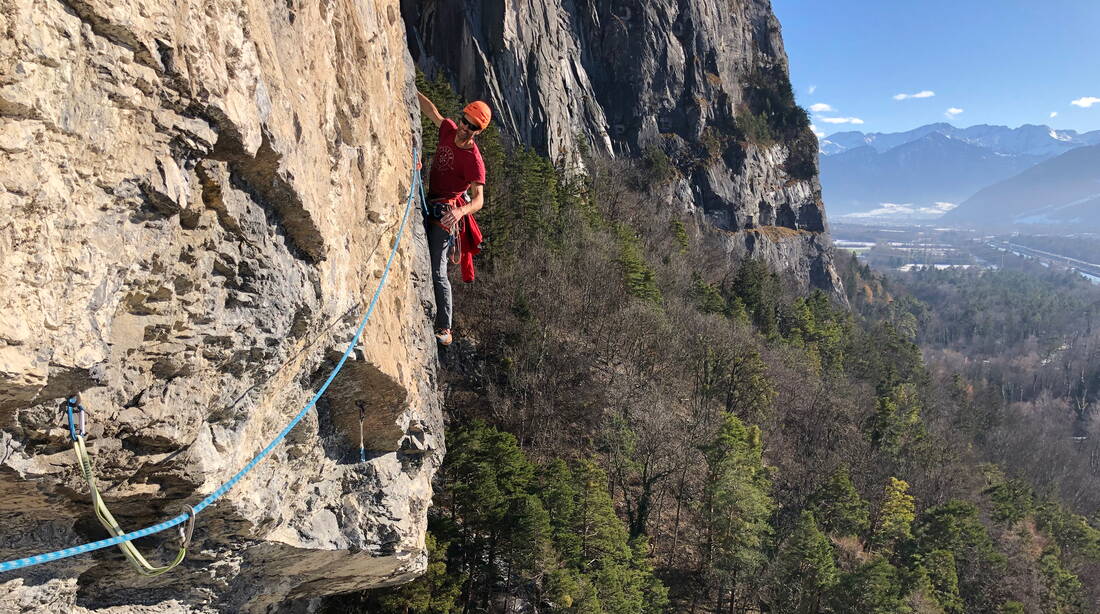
[
  {"x": 839, "y": 508},
  {"x": 558, "y": 491},
  {"x": 896, "y": 516},
  {"x": 873, "y": 588},
  {"x": 1064, "y": 593},
  {"x": 605, "y": 556},
  {"x": 944, "y": 579},
  {"x": 805, "y": 569},
  {"x": 736, "y": 505}
]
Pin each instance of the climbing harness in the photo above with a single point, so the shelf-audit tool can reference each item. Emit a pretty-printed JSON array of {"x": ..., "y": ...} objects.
[
  {"x": 416, "y": 190},
  {"x": 83, "y": 459}
]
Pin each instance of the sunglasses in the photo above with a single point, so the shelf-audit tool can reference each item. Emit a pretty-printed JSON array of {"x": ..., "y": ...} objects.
[{"x": 470, "y": 126}]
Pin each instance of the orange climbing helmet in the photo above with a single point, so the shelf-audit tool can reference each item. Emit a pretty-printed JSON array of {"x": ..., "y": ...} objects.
[{"x": 479, "y": 113}]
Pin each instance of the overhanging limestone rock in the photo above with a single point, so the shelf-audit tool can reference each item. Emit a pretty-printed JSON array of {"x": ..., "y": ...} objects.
[{"x": 196, "y": 198}]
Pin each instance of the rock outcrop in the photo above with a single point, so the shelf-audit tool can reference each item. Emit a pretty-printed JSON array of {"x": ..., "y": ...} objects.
[
  {"x": 687, "y": 78},
  {"x": 196, "y": 202}
]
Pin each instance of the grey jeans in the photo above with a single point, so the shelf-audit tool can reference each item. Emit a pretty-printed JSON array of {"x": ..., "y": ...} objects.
[{"x": 439, "y": 243}]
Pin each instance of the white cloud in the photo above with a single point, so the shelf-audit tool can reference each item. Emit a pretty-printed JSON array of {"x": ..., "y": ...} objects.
[
  {"x": 920, "y": 94},
  {"x": 953, "y": 112},
  {"x": 821, "y": 107},
  {"x": 817, "y": 131},
  {"x": 1085, "y": 102},
  {"x": 905, "y": 210},
  {"x": 841, "y": 120},
  {"x": 1053, "y": 114},
  {"x": 937, "y": 210},
  {"x": 813, "y": 88},
  {"x": 886, "y": 209}
]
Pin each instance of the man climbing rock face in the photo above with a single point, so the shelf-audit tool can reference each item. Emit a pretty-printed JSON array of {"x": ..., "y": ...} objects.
[{"x": 456, "y": 167}]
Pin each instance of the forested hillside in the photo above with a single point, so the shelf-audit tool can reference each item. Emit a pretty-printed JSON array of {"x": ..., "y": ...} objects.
[{"x": 638, "y": 424}]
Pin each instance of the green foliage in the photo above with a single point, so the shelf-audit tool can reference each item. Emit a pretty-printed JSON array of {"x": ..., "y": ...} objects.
[
  {"x": 1064, "y": 593},
  {"x": 760, "y": 291},
  {"x": 1012, "y": 607},
  {"x": 839, "y": 507},
  {"x": 897, "y": 420},
  {"x": 550, "y": 534},
  {"x": 805, "y": 569},
  {"x": 1072, "y": 532},
  {"x": 1012, "y": 501},
  {"x": 658, "y": 166},
  {"x": 754, "y": 127},
  {"x": 679, "y": 234},
  {"x": 815, "y": 323},
  {"x": 640, "y": 278},
  {"x": 955, "y": 528},
  {"x": 896, "y": 516},
  {"x": 736, "y": 501},
  {"x": 873, "y": 588},
  {"x": 939, "y": 565},
  {"x": 769, "y": 95}
]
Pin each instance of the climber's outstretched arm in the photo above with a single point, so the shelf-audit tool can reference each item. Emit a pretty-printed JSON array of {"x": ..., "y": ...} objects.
[{"x": 428, "y": 109}]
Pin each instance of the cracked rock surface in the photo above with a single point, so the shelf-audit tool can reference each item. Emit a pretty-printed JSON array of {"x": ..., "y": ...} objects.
[{"x": 196, "y": 202}]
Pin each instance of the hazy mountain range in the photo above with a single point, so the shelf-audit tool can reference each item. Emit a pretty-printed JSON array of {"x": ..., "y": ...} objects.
[
  {"x": 1063, "y": 192},
  {"x": 920, "y": 174}
]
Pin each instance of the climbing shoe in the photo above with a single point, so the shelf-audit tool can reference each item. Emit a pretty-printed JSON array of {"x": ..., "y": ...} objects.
[{"x": 443, "y": 336}]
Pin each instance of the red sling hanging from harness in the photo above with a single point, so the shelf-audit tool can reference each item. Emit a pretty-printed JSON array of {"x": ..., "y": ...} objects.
[{"x": 468, "y": 236}]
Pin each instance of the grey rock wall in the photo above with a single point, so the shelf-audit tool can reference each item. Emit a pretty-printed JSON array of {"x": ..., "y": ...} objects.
[{"x": 196, "y": 201}]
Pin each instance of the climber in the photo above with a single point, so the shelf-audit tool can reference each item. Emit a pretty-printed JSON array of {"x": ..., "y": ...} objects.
[{"x": 456, "y": 167}]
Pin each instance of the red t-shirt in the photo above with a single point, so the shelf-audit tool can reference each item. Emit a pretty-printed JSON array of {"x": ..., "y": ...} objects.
[{"x": 453, "y": 168}]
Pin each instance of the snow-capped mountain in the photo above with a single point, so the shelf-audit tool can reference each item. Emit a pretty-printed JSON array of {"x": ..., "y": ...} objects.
[
  {"x": 1029, "y": 139},
  {"x": 932, "y": 167},
  {"x": 922, "y": 173}
]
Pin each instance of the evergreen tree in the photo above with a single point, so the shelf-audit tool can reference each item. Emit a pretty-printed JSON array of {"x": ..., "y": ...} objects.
[
  {"x": 1064, "y": 593},
  {"x": 896, "y": 516},
  {"x": 939, "y": 566},
  {"x": 954, "y": 528},
  {"x": 736, "y": 505},
  {"x": 873, "y": 588},
  {"x": 435, "y": 592},
  {"x": 559, "y": 494},
  {"x": 804, "y": 569},
  {"x": 839, "y": 508}
]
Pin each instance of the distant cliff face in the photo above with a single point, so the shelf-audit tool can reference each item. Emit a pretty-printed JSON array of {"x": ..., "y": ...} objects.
[
  {"x": 196, "y": 201},
  {"x": 694, "y": 79}
]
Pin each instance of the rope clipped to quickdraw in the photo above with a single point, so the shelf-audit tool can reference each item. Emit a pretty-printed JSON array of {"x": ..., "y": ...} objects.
[{"x": 133, "y": 555}]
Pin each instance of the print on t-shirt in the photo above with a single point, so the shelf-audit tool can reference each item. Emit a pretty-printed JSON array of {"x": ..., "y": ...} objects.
[{"x": 453, "y": 168}]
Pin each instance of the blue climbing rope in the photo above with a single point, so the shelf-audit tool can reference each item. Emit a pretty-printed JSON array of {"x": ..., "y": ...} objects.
[{"x": 415, "y": 190}]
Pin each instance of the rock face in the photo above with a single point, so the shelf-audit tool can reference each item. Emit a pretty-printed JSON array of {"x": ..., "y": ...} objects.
[
  {"x": 629, "y": 77},
  {"x": 196, "y": 202}
]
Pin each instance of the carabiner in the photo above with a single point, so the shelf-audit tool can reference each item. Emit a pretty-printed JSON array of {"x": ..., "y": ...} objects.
[
  {"x": 188, "y": 528},
  {"x": 72, "y": 403}
]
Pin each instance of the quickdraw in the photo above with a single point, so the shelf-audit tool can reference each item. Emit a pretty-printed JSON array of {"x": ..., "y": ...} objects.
[{"x": 78, "y": 432}]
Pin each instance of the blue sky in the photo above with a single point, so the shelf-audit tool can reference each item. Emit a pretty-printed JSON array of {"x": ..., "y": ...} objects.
[{"x": 1007, "y": 62}]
